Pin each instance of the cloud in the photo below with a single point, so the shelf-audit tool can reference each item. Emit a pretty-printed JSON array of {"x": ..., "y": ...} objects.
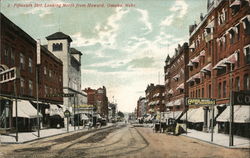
[
  {"x": 145, "y": 20},
  {"x": 180, "y": 7},
  {"x": 145, "y": 62},
  {"x": 167, "y": 21}
]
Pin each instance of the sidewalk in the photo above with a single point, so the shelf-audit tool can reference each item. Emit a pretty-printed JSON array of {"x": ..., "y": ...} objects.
[
  {"x": 219, "y": 139},
  {"x": 24, "y": 137}
]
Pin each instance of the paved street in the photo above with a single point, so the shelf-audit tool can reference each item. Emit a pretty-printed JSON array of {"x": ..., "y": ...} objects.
[{"x": 119, "y": 141}]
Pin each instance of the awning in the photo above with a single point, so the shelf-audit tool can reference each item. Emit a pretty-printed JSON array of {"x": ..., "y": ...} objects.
[
  {"x": 194, "y": 115},
  {"x": 181, "y": 86},
  {"x": 244, "y": 21},
  {"x": 190, "y": 64},
  {"x": 171, "y": 103},
  {"x": 84, "y": 117},
  {"x": 192, "y": 46},
  {"x": 170, "y": 91},
  {"x": 196, "y": 59},
  {"x": 207, "y": 68},
  {"x": 25, "y": 109},
  {"x": 231, "y": 59},
  {"x": 174, "y": 114},
  {"x": 202, "y": 53},
  {"x": 190, "y": 79},
  {"x": 197, "y": 76},
  {"x": 55, "y": 110},
  {"x": 235, "y": 3},
  {"x": 241, "y": 114},
  {"x": 221, "y": 63},
  {"x": 177, "y": 102}
]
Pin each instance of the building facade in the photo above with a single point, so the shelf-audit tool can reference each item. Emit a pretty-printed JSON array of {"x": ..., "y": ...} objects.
[
  {"x": 141, "y": 107},
  {"x": 155, "y": 96},
  {"x": 19, "y": 50},
  {"x": 59, "y": 45},
  {"x": 176, "y": 74},
  {"x": 219, "y": 61},
  {"x": 98, "y": 98}
]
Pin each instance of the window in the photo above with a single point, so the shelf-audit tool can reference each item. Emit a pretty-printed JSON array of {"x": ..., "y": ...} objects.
[
  {"x": 219, "y": 90},
  {"x": 238, "y": 31},
  {"x": 22, "y": 63},
  {"x": 209, "y": 91},
  {"x": 202, "y": 91},
  {"x": 6, "y": 55},
  {"x": 57, "y": 47},
  {"x": 235, "y": 8},
  {"x": 246, "y": 82},
  {"x": 237, "y": 84},
  {"x": 30, "y": 88},
  {"x": 12, "y": 56},
  {"x": 46, "y": 90},
  {"x": 224, "y": 89},
  {"x": 247, "y": 54},
  {"x": 30, "y": 65},
  {"x": 45, "y": 70},
  {"x": 231, "y": 36},
  {"x": 50, "y": 73},
  {"x": 22, "y": 86}
]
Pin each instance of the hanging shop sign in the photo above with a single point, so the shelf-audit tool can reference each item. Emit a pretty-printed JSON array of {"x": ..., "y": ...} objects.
[
  {"x": 200, "y": 101},
  {"x": 61, "y": 95},
  {"x": 9, "y": 75}
]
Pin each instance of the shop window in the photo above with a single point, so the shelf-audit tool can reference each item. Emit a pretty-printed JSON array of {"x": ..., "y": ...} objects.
[
  {"x": 237, "y": 84},
  {"x": 246, "y": 82},
  {"x": 247, "y": 54},
  {"x": 199, "y": 92},
  {"x": 219, "y": 90},
  {"x": 30, "y": 88},
  {"x": 224, "y": 89},
  {"x": 22, "y": 61},
  {"x": 57, "y": 47}
]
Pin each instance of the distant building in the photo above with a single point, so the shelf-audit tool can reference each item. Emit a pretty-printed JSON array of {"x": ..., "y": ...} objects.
[
  {"x": 141, "y": 107},
  {"x": 176, "y": 74},
  {"x": 155, "y": 97},
  {"x": 98, "y": 98}
]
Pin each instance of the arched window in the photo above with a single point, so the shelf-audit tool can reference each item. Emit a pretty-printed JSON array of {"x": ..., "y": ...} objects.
[
  {"x": 57, "y": 47},
  {"x": 246, "y": 82}
]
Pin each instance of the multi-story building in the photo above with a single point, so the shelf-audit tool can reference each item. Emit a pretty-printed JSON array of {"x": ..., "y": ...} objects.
[
  {"x": 219, "y": 60},
  {"x": 98, "y": 98},
  {"x": 141, "y": 107},
  {"x": 155, "y": 95},
  {"x": 19, "y": 50},
  {"x": 176, "y": 74},
  {"x": 59, "y": 45},
  {"x": 112, "y": 111}
]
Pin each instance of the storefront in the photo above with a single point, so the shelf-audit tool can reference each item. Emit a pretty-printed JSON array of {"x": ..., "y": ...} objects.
[
  {"x": 26, "y": 115},
  {"x": 241, "y": 125}
]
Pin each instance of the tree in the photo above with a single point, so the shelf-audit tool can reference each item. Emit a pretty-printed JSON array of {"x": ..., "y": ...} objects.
[{"x": 120, "y": 114}]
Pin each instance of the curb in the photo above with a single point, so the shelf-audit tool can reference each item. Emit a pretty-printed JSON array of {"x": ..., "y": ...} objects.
[
  {"x": 209, "y": 142},
  {"x": 28, "y": 141}
]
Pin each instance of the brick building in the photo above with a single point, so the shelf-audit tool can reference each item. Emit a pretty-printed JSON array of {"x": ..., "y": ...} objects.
[
  {"x": 220, "y": 61},
  {"x": 98, "y": 98},
  {"x": 176, "y": 74},
  {"x": 18, "y": 49},
  {"x": 155, "y": 95},
  {"x": 141, "y": 107}
]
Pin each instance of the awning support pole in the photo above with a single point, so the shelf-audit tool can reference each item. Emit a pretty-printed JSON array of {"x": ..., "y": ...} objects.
[
  {"x": 231, "y": 110},
  {"x": 16, "y": 110},
  {"x": 37, "y": 105}
]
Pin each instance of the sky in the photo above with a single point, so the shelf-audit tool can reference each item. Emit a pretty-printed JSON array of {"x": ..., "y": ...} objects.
[{"x": 124, "y": 48}]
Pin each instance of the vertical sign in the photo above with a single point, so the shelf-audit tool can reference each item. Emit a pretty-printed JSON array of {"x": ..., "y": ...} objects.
[{"x": 38, "y": 51}]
